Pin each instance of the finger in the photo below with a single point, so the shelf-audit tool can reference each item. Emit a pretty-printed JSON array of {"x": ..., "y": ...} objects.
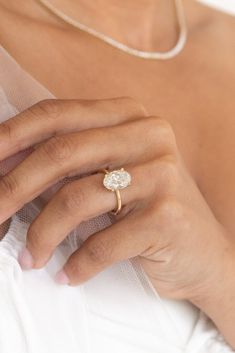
[
  {"x": 125, "y": 239},
  {"x": 55, "y": 117},
  {"x": 77, "y": 202},
  {"x": 76, "y": 153}
]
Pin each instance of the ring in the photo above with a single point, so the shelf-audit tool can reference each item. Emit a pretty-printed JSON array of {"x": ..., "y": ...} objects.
[{"x": 114, "y": 181}]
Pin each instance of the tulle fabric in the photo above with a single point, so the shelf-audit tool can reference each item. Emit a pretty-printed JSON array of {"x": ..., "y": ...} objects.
[{"x": 118, "y": 310}]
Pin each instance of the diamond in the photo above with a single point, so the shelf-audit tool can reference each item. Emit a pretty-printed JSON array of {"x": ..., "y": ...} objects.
[{"x": 117, "y": 179}]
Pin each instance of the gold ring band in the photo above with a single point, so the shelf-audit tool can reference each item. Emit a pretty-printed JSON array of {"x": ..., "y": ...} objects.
[
  {"x": 114, "y": 181},
  {"x": 119, "y": 203}
]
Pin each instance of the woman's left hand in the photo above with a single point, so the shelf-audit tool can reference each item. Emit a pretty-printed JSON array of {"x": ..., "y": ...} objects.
[{"x": 165, "y": 221}]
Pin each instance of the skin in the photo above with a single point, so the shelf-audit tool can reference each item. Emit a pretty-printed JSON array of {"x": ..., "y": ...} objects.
[{"x": 179, "y": 111}]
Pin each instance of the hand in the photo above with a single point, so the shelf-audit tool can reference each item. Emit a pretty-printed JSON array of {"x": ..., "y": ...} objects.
[{"x": 165, "y": 220}]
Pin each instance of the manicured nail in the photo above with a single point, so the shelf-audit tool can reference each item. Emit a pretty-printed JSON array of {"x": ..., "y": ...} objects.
[
  {"x": 25, "y": 259},
  {"x": 61, "y": 277}
]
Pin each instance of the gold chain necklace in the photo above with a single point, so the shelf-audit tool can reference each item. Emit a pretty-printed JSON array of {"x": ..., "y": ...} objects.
[{"x": 139, "y": 53}]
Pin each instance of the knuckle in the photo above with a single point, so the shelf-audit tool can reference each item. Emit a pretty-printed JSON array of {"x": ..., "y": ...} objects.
[
  {"x": 169, "y": 171},
  {"x": 98, "y": 251},
  {"x": 134, "y": 107},
  {"x": 40, "y": 246},
  {"x": 6, "y": 131},
  {"x": 157, "y": 121},
  {"x": 48, "y": 108},
  {"x": 72, "y": 198},
  {"x": 160, "y": 130},
  {"x": 170, "y": 210},
  {"x": 58, "y": 149},
  {"x": 10, "y": 185},
  {"x": 11, "y": 131}
]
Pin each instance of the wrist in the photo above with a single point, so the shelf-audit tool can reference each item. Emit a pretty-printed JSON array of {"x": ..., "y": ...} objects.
[{"x": 216, "y": 298}]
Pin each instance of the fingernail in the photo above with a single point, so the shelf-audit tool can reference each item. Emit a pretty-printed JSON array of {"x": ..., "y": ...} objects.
[
  {"x": 25, "y": 259},
  {"x": 61, "y": 277}
]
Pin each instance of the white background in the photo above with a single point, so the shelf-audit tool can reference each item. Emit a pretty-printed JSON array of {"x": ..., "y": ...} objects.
[{"x": 227, "y": 5}]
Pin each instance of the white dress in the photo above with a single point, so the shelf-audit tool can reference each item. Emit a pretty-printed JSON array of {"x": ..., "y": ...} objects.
[{"x": 116, "y": 311}]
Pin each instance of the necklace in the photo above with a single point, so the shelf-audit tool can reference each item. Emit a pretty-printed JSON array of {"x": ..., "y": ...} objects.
[{"x": 139, "y": 53}]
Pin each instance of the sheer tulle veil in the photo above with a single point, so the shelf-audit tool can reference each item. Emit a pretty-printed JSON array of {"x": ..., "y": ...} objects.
[{"x": 123, "y": 292}]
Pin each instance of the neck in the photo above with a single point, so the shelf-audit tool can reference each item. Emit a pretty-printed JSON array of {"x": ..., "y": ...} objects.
[{"x": 142, "y": 24}]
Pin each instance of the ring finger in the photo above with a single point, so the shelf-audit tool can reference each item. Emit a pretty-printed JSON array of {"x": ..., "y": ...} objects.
[{"x": 77, "y": 202}]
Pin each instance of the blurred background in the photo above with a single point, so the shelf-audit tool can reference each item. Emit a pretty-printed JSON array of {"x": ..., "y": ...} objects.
[{"x": 226, "y": 5}]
